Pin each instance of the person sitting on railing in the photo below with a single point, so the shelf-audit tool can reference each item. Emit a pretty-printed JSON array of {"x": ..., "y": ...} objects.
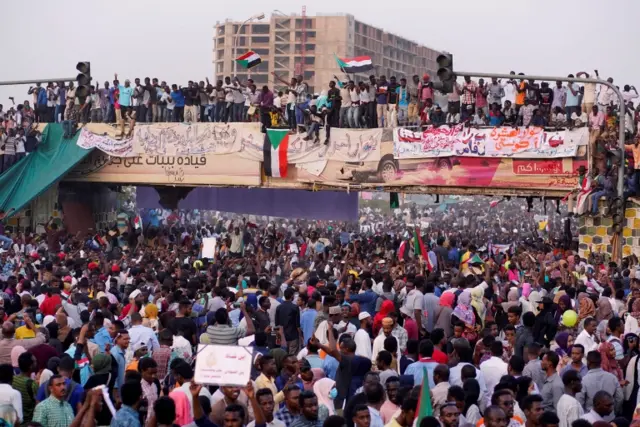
[
  {"x": 437, "y": 117},
  {"x": 509, "y": 114},
  {"x": 479, "y": 118},
  {"x": 467, "y": 113},
  {"x": 579, "y": 120},
  {"x": 558, "y": 117},
  {"x": 496, "y": 118},
  {"x": 538, "y": 119},
  {"x": 526, "y": 113},
  {"x": 606, "y": 187},
  {"x": 427, "y": 110},
  {"x": 453, "y": 118}
]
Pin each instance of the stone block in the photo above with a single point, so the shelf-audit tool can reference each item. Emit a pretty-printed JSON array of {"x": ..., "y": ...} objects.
[
  {"x": 601, "y": 231},
  {"x": 597, "y": 240},
  {"x": 635, "y": 224},
  {"x": 627, "y": 232},
  {"x": 631, "y": 213},
  {"x": 606, "y": 220},
  {"x": 591, "y": 230},
  {"x": 627, "y": 250},
  {"x": 584, "y": 238},
  {"x": 583, "y": 246}
]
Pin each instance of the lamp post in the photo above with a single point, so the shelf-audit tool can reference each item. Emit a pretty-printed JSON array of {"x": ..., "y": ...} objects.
[{"x": 255, "y": 17}]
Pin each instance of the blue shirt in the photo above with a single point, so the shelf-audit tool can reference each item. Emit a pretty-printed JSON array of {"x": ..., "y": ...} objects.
[
  {"x": 454, "y": 256},
  {"x": 74, "y": 399},
  {"x": 112, "y": 91},
  {"x": 330, "y": 366},
  {"x": 118, "y": 355},
  {"x": 126, "y": 417},
  {"x": 102, "y": 338},
  {"x": 178, "y": 98},
  {"x": 381, "y": 98},
  {"x": 307, "y": 318},
  {"x": 495, "y": 120},
  {"x": 42, "y": 96},
  {"x": 572, "y": 100},
  {"x": 417, "y": 370},
  {"x": 367, "y": 301},
  {"x": 403, "y": 96},
  {"x": 125, "y": 95},
  {"x": 281, "y": 381},
  {"x": 62, "y": 95}
]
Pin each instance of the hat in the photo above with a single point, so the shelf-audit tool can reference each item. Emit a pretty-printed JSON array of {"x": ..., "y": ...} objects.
[
  {"x": 425, "y": 76},
  {"x": 34, "y": 254},
  {"x": 134, "y": 294},
  {"x": 115, "y": 268},
  {"x": 363, "y": 315},
  {"x": 335, "y": 310},
  {"x": 92, "y": 265},
  {"x": 67, "y": 279},
  {"x": 61, "y": 256},
  {"x": 137, "y": 346},
  {"x": 101, "y": 294}
]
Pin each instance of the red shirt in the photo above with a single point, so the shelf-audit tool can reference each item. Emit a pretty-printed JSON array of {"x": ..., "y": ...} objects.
[
  {"x": 440, "y": 356},
  {"x": 411, "y": 327},
  {"x": 48, "y": 306}
]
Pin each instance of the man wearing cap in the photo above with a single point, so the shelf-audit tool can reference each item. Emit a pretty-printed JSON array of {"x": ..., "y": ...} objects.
[{"x": 362, "y": 338}]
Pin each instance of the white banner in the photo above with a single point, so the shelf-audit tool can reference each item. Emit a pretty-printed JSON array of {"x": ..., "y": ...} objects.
[
  {"x": 178, "y": 139},
  {"x": 209, "y": 247},
  {"x": 529, "y": 143},
  {"x": 113, "y": 147},
  {"x": 223, "y": 365},
  {"x": 345, "y": 145}
]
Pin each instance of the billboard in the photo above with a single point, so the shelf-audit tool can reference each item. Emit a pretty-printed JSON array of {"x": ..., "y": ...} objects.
[{"x": 500, "y": 160}]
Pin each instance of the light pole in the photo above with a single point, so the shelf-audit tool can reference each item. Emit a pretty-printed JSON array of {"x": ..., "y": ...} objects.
[{"x": 255, "y": 17}]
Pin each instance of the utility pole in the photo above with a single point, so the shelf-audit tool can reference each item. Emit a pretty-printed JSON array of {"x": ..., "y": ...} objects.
[{"x": 26, "y": 82}]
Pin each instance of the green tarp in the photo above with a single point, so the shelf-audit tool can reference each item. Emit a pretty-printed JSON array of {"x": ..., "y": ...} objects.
[{"x": 34, "y": 174}]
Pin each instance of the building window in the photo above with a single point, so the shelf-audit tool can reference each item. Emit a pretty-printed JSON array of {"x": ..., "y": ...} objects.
[
  {"x": 260, "y": 40},
  {"x": 220, "y": 53},
  {"x": 260, "y": 29},
  {"x": 220, "y": 41},
  {"x": 310, "y": 60},
  {"x": 220, "y": 30},
  {"x": 262, "y": 67},
  {"x": 260, "y": 79},
  {"x": 264, "y": 52}
]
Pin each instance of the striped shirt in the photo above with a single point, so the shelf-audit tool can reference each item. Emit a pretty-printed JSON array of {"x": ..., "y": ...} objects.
[
  {"x": 10, "y": 146},
  {"x": 52, "y": 412},
  {"x": 223, "y": 335},
  {"x": 28, "y": 398}
]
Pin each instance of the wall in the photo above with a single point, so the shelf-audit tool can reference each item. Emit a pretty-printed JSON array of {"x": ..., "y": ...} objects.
[{"x": 596, "y": 233}]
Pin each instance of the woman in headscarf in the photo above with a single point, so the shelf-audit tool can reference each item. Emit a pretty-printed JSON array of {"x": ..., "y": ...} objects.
[
  {"x": 609, "y": 362},
  {"x": 464, "y": 313},
  {"x": 545, "y": 326},
  {"x": 385, "y": 309},
  {"x": 524, "y": 299},
  {"x": 512, "y": 299},
  {"x": 604, "y": 310},
  {"x": 102, "y": 375},
  {"x": 443, "y": 321},
  {"x": 562, "y": 349},
  {"x": 564, "y": 304},
  {"x": 15, "y": 354},
  {"x": 586, "y": 309},
  {"x": 534, "y": 300},
  {"x": 325, "y": 390}
]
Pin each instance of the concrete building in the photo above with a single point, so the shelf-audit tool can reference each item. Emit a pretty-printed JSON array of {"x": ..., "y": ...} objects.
[{"x": 278, "y": 40}]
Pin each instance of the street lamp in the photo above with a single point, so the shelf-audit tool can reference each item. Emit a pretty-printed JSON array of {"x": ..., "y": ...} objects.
[{"x": 256, "y": 17}]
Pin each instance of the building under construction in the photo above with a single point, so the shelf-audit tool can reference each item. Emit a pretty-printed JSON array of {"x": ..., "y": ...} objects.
[{"x": 290, "y": 45}]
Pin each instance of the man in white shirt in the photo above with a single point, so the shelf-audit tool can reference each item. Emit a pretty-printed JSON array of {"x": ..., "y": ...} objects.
[
  {"x": 587, "y": 338},
  {"x": 494, "y": 368},
  {"x": 9, "y": 395},
  {"x": 361, "y": 338},
  {"x": 602, "y": 408},
  {"x": 413, "y": 303},
  {"x": 629, "y": 93},
  {"x": 142, "y": 334},
  {"x": 568, "y": 408}
]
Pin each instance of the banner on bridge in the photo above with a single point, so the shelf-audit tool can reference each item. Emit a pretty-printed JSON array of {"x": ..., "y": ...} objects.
[{"x": 509, "y": 142}]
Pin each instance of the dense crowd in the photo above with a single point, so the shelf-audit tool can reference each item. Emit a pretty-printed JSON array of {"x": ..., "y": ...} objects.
[{"x": 498, "y": 319}]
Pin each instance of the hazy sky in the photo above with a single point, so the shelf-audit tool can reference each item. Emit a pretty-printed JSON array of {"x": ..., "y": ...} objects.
[{"x": 173, "y": 39}]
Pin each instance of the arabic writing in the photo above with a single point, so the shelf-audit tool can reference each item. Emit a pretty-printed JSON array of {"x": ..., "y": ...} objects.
[
  {"x": 497, "y": 142},
  {"x": 192, "y": 138},
  {"x": 113, "y": 147},
  {"x": 537, "y": 167},
  {"x": 225, "y": 365}
]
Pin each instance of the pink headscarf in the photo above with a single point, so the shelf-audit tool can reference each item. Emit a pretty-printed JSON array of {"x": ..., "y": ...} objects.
[
  {"x": 322, "y": 388},
  {"x": 183, "y": 407},
  {"x": 526, "y": 290}
]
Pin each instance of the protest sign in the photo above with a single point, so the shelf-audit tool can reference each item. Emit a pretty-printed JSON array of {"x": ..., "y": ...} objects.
[
  {"x": 223, "y": 365},
  {"x": 209, "y": 247}
]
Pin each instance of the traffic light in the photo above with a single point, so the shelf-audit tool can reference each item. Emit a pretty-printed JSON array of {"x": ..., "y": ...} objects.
[
  {"x": 445, "y": 73},
  {"x": 83, "y": 81},
  {"x": 617, "y": 214}
]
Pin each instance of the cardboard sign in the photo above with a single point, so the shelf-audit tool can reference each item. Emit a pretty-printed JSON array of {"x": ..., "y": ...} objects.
[
  {"x": 223, "y": 365},
  {"x": 209, "y": 247}
]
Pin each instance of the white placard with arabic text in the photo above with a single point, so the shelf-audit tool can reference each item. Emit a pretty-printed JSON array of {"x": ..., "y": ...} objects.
[{"x": 223, "y": 365}]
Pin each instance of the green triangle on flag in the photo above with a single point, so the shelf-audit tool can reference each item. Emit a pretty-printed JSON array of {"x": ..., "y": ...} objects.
[
  {"x": 276, "y": 136},
  {"x": 425, "y": 408},
  {"x": 340, "y": 62},
  {"x": 394, "y": 200}
]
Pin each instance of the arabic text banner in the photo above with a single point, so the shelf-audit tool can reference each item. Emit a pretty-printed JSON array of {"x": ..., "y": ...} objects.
[
  {"x": 511, "y": 142},
  {"x": 223, "y": 365},
  {"x": 345, "y": 145}
]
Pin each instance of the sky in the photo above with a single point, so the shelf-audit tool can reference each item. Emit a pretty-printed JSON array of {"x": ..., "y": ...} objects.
[{"x": 174, "y": 40}]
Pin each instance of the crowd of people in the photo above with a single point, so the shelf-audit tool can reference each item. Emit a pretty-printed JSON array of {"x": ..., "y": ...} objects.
[{"x": 499, "y": 320}]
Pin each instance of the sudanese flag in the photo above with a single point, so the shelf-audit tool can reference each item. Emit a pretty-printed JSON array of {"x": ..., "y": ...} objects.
[{"x": 276, "y": 159}]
